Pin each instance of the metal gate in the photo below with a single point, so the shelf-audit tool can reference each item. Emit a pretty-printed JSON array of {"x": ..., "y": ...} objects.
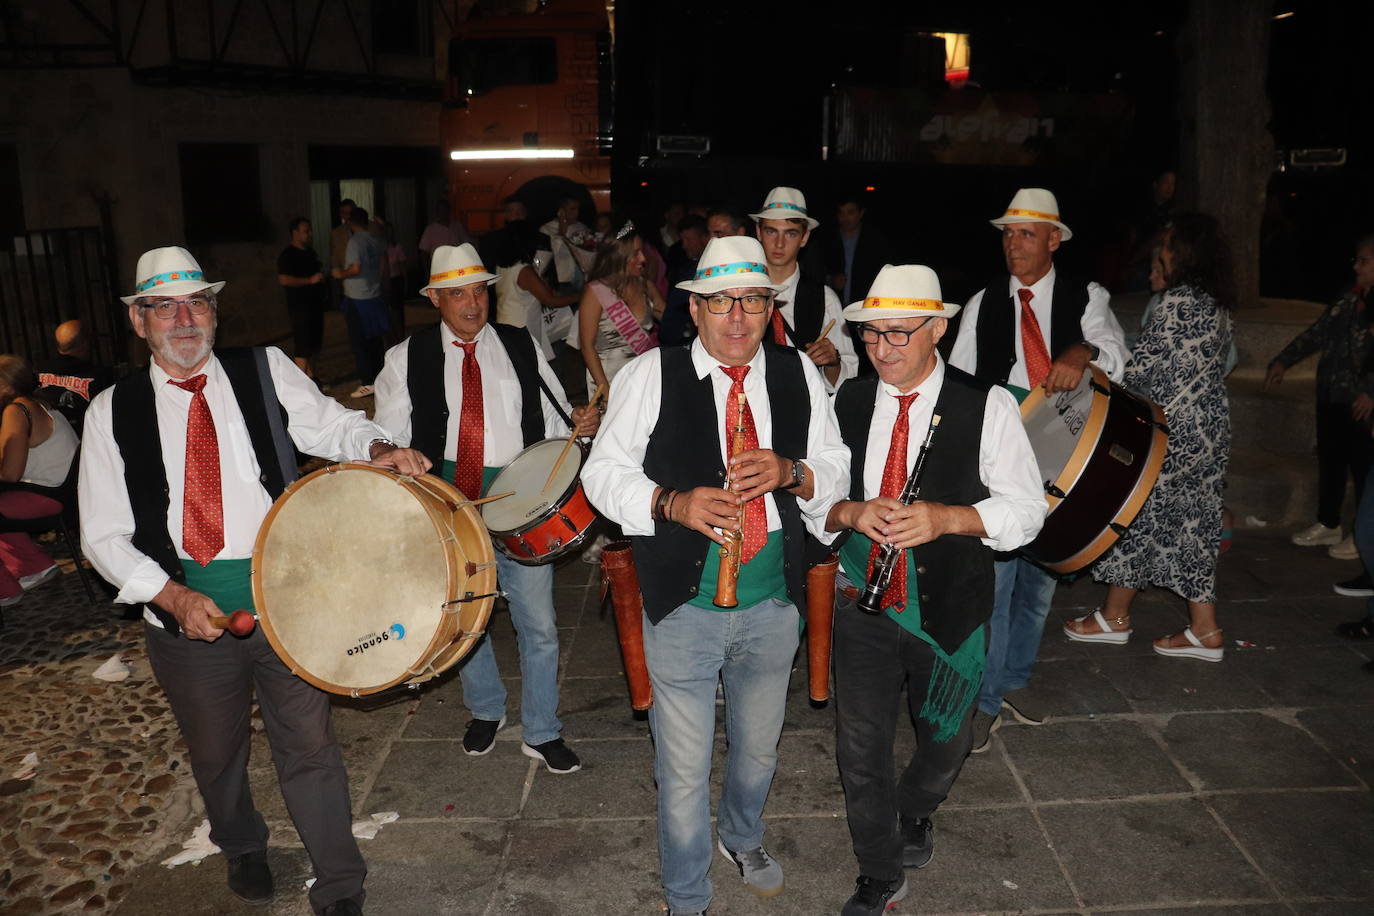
[{"x": 51, "y": 275}]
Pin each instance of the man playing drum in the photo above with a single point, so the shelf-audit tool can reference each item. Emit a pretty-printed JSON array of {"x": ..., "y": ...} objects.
[
  {"x": 179, "y": 467},
  {"x": 659, "y": 469},
  {"x": 978, "y": 492},
  {"x": 1044, "y": 330},
  {"x": 470, "y": 395}
]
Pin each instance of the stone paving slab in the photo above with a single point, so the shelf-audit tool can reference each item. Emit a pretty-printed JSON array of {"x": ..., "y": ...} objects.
[
  {"x": 1264, "y": 753},
  {"x": 1110, "y": 759}
]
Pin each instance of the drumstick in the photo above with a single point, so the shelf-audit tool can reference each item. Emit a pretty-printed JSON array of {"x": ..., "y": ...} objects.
[
  {"x": 491, "y": 499},
  {"x": 567, "y": 446},
  {"x": 825, "y": 332},
  {"x": 240, "y": 623}
]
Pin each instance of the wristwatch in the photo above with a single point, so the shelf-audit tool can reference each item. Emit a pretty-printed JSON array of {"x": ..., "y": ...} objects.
[
  {"x": 798, "y": 476},
  {"x": 1095, "y": 351}
]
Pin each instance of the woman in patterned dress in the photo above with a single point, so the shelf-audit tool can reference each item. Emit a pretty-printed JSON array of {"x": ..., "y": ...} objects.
[{"x": 1179, "y": 362}]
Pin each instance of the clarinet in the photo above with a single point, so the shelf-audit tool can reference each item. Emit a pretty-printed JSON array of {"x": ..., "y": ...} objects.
[
  {"x": 870, "y": 602},
  {"x": 732, "y": 551}
]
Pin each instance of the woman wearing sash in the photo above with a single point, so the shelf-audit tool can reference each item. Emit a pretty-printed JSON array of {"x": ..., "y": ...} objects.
[{"x": 619, "y": 309}]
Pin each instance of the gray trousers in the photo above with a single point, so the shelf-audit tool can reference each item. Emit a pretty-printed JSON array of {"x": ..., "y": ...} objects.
[{"x": 210, "y": 687}]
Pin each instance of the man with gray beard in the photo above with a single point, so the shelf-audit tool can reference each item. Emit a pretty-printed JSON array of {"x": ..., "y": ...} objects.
[{"x": 180, "y": 464}]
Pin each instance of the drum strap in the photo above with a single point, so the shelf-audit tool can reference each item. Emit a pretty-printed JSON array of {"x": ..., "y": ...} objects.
[{"x": 285, "y": 450}]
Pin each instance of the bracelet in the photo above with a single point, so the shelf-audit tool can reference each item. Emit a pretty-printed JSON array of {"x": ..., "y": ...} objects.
[
  {"x": 378, "y": 442},
  {"x": 672, "y": 501},
  {"x": 660, "y": 505}
]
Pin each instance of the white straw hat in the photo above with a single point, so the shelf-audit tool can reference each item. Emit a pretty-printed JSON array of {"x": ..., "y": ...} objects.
[
  {"x": 730, "y": 262},
  {"x": 902, "y": 291},
  {"x": 169, "y": 272},
  {"x": 1034, "y": 205},
  {"x": 785, "y": 203},
  {"x": 456, "y": 265}
]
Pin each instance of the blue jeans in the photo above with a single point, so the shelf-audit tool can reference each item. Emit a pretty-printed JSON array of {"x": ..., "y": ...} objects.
[
  {"x": 530, "y": 591},
  {"x": 1364, "y": 534},
  {"x": 1020, "y": 603},
  {"x": 751, "y": 649}
]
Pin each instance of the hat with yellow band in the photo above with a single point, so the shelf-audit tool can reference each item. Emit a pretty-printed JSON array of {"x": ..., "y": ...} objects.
[
  {"x": 902, "y": 291},
  {"x": 1034, "y": 205},
  {"x": 730, "y": 262},
  {"x": 456, "y": 265},
  {"x": 166, "y": 273},
  {"x": 785, "y": 203}
]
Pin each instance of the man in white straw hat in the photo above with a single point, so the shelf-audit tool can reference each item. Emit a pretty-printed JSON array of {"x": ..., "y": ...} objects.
[
  {"x": 471, "y": 394},
  {"x": 180, "y": 464},
  {"x": 804, "y": 306},
  {"x": 659, "y": 469},
  {"x": 1036, "y": 327},
  {"x": 979, "y": 492}
]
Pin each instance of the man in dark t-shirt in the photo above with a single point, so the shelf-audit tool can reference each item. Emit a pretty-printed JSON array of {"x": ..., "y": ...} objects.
[
  {"x": 71, "y": 379},
  {"x": 299, "y": 273}
]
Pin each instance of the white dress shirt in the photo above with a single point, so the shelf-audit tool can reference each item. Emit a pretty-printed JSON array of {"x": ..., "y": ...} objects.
[
  {"x": 501, "y": 397},
  {"x": 839, "y": 334},
  {"x": 318, "y": 425},
  {"x": 1015, "y": 508},
  {"x": 1099, "y": 325},
  {"x": 614, "y": 475}
]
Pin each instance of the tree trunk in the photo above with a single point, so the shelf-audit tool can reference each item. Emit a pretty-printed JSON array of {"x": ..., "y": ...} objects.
[{"x": 1226, "y": 152}]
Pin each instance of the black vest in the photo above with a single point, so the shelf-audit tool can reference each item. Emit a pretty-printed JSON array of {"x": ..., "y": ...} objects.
[
  {"x": 955, "y": 571},
  {"x": 996, "y": 351},
  {"x": 808, "y": 311},
  {"x": 684, "y": 452},
  {"x": 429, "y": 407},
  {"x": 134, "y": 420}
]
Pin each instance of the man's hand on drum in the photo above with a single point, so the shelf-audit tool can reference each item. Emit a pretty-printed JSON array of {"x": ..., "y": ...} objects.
[
  {"x": 191, "y": 609},
  {"x": 405, "y": 461},
  {"x": 707, "y": 509},
  {"x": 1067, "y": 371},
  {"x": 586, "y": 420}
]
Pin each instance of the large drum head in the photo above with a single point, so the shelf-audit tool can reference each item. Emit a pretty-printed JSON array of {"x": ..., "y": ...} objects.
[
  {"x": 352, "y": 571},
  {"x": 524, "y": 477},
  {"x": 1055, "y": 424}
]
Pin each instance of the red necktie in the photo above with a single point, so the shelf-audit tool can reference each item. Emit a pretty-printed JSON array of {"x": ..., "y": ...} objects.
[
  {"x": 755, "y": 513},
  {"x": 779, "y": 329},
  {"x": 467, "y": 474},
  {"x": 1032, "y": 342},
  {"x": 202, "y": 512},
  {"x": 894, "y": 479}
]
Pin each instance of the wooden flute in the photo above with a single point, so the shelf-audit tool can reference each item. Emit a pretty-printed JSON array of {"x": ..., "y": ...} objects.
[
  {"x": 732, "y": 551},
  {"x": 870, "y": 602}
]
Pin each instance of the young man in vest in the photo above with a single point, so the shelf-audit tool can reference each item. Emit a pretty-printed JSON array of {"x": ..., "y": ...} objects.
[
  {"x": 180, "y": 464},
  {"x": 659, "y": 469},
  {"x": 1035, "y": 328},
  {"x": 979, "y": 492},
  {"x": 803, "y": 307},
  {"x": 471, "y": 395}
]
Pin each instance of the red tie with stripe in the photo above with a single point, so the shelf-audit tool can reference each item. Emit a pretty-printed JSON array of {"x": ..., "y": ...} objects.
[
  {"x": 894, "y": 479},
  {"x": 202, "y": 512},
  {"x": 467, "y": 473},
  {"x": 755, "y": 513},
  {"x": 1032, "y": 342}
]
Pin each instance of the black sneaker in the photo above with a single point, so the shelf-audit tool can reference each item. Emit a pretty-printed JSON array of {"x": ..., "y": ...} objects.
[
  {"x": 346, "y": 907},
  {"x": 873, "y": 897},
  {"x": 250, "y": 879},
  {"x": 1358, "y": 587},
  {"x": 480, "y": 737},
  {"x": 918, "y": 841},
  {"x": 557, "y": 756}
]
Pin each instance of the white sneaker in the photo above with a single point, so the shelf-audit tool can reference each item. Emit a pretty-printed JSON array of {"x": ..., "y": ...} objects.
[
  {"x": 362, "y": 391},
  {"x": 1318, "y": 536},
  {"x": 1345, "y": 550},
  {"x": 38, "y": 578}
]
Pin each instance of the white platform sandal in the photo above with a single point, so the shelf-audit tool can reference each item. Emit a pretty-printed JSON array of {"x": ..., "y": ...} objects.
[
  {"x": 1108, "y": 635},
  {"x": 1194, "y": 649}
]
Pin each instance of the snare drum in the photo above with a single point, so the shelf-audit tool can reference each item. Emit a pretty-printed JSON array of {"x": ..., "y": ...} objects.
[
  {"x": 537, "y": 524},
  {"x": 1099, "y": 448},
  {"x": 364, "y": 579}
]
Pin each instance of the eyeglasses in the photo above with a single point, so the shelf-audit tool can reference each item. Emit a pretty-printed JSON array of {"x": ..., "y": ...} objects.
[
  {"x": 1361, "y": 260},
  {"x": 721, "y": 304},
  {"x": 168, "y": 308},
  {"x": 897, "y": 337}
]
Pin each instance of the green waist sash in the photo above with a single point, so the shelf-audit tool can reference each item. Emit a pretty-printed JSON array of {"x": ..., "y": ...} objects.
[
  {"x": 226, "y": 582},
  {"x": 759, "y": 579}
]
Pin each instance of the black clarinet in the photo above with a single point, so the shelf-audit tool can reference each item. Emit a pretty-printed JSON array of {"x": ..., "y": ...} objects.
[{"x": 870, "y": 602}]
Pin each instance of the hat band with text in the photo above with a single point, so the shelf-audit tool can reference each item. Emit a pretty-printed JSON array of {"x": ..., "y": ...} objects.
[
  {"x": 890, "y": 302},
  {"x": 457, "y": 272},
  {"x": 784, "y": 205},
  {"x": 1034, "y": 214},
  {"x": 171, "y": 276},
  {"x": 734, "y": 267}
]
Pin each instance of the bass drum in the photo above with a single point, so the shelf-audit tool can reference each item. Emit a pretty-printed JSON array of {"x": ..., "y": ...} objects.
[
  {"x": 1099, "y": 448},
  {"x": 365, "y": 579}
]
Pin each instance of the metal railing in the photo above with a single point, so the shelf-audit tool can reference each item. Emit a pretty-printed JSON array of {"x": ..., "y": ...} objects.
[{"x": 51, "y": 275}]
